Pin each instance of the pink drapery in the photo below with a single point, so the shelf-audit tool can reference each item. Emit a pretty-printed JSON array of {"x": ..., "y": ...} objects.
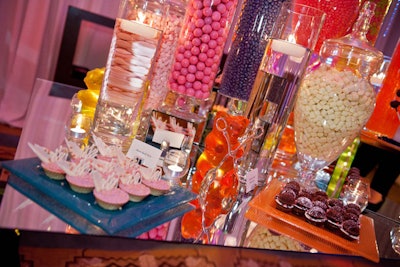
[{"x": 29, "y": 45}]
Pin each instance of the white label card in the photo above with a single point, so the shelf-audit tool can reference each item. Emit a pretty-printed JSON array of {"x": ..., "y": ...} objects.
[
  {"x": 174, "y": 139},
  {"x": 148, "y": 155},
  {"x": 251, "y": 179}
]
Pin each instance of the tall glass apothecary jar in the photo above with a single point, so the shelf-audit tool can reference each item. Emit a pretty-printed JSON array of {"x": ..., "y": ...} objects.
[
  {"x": 135, "y": 43},
  {"x": 335, "y": 99}
]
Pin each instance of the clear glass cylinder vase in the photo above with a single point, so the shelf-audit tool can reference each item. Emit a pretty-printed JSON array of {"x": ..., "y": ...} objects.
[
  {"x": 254, "y": 24},
  {"x": 198, "y": 55},
  {"x": 162, "y": 66},
  {"x": 340, "y": 16},
  {"x": 135, "y": 43}
]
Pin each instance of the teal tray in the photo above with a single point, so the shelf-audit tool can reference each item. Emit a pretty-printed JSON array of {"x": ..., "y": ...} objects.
[{"x": 81, "y": 210}]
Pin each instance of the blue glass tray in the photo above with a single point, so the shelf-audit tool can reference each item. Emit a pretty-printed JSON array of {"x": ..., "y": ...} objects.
[{"x": 82, "y": 212}]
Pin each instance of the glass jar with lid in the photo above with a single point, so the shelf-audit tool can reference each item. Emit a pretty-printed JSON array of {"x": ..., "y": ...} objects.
[{"x": 336, "y": 98}]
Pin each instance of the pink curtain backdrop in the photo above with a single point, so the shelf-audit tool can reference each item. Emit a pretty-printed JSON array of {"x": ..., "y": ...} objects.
[{"x": 30, "y": 38}]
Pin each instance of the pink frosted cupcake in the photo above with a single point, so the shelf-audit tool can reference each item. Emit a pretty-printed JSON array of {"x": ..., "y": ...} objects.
[
  {"x": 53, "y": 171},
  {"x": 158, "y": 187},
  {"x": 81, "y": 183},
  {"x": 137, "y": 192},
  {"x": 107, "y": 193},
  {"x": 111, "y": 199},
  {"x": 49, "y": 160},
  {"x": 78, "y": 175},
  {"x": 152, "y": 179}
]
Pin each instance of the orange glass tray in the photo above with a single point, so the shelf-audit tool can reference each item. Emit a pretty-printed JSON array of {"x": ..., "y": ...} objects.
[{"x": 262, "y": 211}]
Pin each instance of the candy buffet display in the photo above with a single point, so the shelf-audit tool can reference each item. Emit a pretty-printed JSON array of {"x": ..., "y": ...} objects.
[{"x": 288, "y": 60}]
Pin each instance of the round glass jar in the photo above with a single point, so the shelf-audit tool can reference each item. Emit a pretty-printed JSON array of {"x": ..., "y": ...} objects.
[{"x": 336, "y": 98}]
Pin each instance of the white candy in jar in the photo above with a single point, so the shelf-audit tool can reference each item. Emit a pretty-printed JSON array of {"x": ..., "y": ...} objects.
[
  {"x": 158, "y": 84},
  {"x": 331, "y": 108}
]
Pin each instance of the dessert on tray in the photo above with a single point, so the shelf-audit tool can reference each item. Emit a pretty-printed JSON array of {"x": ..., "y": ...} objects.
[
  {"x": 316, "y": 208},
  {"x": 152, "y": 179},
  {"x": 112, "y": 177},
  {"x": 132, "y": 184},
  {"x": 78, "y": 175},
  {"x": 49, "y": 160},
  {"x": 107, "y": 193}
]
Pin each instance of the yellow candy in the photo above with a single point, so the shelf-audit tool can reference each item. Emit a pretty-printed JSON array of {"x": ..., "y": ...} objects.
[
  {"x": 94, "y": 78},
  {"x": 89, "y": 96}
]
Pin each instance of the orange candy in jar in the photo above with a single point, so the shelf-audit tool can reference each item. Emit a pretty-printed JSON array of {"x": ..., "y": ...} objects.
[
  {"x": 223, "y": 189},
  {"x": 384, "y": 120}
]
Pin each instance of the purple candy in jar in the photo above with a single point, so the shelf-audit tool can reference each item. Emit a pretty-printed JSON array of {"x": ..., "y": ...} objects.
[
  {"x": 240, "y": 70},
  {"x": 200, "y": 46}
]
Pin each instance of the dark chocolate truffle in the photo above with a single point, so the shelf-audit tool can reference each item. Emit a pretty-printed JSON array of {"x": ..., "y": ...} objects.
[
  {"x": 354, "y": 208},
  {"x": 295, "y": 186},
  {"x": 301, "y": 205},
  {"x": 335, "y": 202},
  {"x": 305, "y": 193},
  {"x": 350, "y": 216},
  {"x": 351, "y": 229},
  {"x": 285, "y": 200},
  {"x": 320, "y": 204},
  {"x": 316, "y": 215},
  {"x": 334, "y": 218},
  {"x": 318, "y": 195}
]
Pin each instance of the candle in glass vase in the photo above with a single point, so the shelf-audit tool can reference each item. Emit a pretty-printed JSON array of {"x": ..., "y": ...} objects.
[
  {"x": 285, "y": 60},
  {"x": 136, "y": 39}
]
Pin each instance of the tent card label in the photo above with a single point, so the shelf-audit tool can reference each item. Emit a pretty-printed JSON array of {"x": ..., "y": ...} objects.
[
  {"x": 146, "y": 154},
  {"x": 177, "y": 131},
  {"x": 174, "y": 139}
]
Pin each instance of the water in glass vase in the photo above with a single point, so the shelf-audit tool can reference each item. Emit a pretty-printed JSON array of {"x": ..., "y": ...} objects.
[
  {"x": 125, "y": 82},
  {"x": 274, "y": 94}
]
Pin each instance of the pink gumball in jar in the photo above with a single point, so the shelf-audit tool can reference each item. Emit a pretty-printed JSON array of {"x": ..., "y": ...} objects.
[{"x": 200, "y": 47}]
